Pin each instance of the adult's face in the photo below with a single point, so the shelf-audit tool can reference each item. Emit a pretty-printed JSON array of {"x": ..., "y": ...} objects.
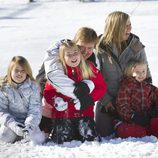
[
  {"x": 128, "y": 29},
  {"x": 86, "y": 49}
]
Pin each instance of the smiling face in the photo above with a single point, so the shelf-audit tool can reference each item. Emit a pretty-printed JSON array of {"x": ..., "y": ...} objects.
[
  {"x": 72, "y": 57},
  {"x": 85, "y": 48},
  {"x": 140, "y": 72},
  {"x": 18, "y": 74},
  {"x": 128, "y": 29}
]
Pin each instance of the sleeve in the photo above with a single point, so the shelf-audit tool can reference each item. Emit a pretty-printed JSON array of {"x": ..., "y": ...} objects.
[
  {"x": 123, "y": 103},
  {"x": 4, "y": 112},
  {"x": 107, "y": 97},
  {"x": 55, "y": 73},
  {"x": 99, "y": 85},
  {"x": 34, "y": 111}
]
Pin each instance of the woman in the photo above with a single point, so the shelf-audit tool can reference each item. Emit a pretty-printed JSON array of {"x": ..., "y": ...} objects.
[{"x": 116, "y": 47}]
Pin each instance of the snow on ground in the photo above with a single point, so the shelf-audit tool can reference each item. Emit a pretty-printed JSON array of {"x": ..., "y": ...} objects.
[{"x": 29, "y": 29}]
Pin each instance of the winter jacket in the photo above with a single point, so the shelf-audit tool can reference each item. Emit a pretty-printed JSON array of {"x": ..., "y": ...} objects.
[
  {"x": 20, "y": 102},
  {"x": 134, "y": 96},
  {"x": 50, "y": 93},
  {"x": 112, "y": 64},
  {"x": 55, "y": 73}
]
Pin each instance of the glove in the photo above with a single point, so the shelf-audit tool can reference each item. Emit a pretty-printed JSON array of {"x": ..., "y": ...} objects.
[
  {"x": 154, "y": 112},
  {"x": 60, "y": 104},
  {"x": 85, "y": 101},
  {"x": 28, "y": 130},
  {"x": 81, "y": 88},
  {"x": 90, "y": 84},
  {"x": 16, "y": 127},
  {"x": 141, "y": 120},
  {"x": 82, "y": 93}
]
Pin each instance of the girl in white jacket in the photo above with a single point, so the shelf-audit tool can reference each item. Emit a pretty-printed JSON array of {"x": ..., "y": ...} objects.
[{"x": 20, "y": 104}]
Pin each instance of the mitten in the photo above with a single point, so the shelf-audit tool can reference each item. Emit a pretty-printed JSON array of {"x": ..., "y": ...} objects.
[
  {"x": 154, "y": 112},
  {"x": 16, "y": 127},
  {"x": 28, "y": 130},
  {"x": 90, "y": 84},
  {"x": 81, "y": 88},
  {"x": 60, "y": 104},
  {"x": 85, "y": 101},
  {"x": 141, "y": 120}
]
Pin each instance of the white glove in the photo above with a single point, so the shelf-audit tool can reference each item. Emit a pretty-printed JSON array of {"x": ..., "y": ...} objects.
[
  {"x": 90, "y": 84},
  {"x": 60, "y": 104},
  {"x": 77, "y": 104},
  {"x": 28, "y": 130},
  {"x": 16, "y": 127}
]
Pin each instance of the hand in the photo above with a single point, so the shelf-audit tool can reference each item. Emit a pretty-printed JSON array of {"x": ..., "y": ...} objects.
[
  {"x": 16, "y": 127},
  {"x": 108, "y": 107},
  {"x": 60, "y": 104},
  {"x": 141, "y": 120},
  {"x": 81, "y": 88},
  {"x": 90, "y": 84},
  {"x": 85, "y": 101}
]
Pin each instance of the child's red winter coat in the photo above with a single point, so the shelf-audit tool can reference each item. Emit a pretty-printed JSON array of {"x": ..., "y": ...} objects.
[{"x": 50, "y": 92}]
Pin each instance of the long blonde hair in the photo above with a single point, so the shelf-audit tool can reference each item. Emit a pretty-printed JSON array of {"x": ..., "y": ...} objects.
[
  {"x": 85, "y": 69},
  {"x": 23, "y": 63},
  {"x": 115, "y": 25}
]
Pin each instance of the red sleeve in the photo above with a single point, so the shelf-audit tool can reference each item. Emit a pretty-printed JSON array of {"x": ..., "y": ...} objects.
[{"x": 99, "y": 83}]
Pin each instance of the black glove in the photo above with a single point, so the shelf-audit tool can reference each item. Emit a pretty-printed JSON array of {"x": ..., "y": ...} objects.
[
  {"x": 141, "y": 120},
  {"x": 85, "y": 101},
  {"x": 154, "y": 112},
  {"x": 81, "y": 88}
]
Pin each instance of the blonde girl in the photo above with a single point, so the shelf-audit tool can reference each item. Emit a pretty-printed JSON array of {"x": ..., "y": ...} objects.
[
  {"x": 20, "y": 103},
  {"x": 73, "y": 119}
]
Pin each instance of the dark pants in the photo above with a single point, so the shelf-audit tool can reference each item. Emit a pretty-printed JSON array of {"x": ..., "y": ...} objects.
[
  {"x": 65, "y": 130},
  {"x": 45, "y": 124},
  {"x": 104, "y": 122}
]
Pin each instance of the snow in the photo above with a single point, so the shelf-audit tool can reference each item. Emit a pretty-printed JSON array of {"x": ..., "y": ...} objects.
[{"x": 29, "y": 29}]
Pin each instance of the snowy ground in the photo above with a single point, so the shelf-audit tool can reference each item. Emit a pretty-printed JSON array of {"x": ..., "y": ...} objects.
[{"x": 29, "y": 29}]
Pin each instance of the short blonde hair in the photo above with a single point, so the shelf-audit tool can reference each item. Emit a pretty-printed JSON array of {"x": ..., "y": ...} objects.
[
  {"x": 86, "y": 35},
  {"x": 23, "y": 63},
  {"x": 128, "y": 72},
  {"x": 86, "y": 71}
]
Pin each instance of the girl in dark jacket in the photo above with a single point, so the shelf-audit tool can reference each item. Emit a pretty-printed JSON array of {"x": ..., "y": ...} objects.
[
  {"x": 73, "y": 119},
  {"x": 137, "y": 103}
]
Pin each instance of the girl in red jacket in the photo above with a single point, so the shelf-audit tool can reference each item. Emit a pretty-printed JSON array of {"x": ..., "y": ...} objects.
[
  {"x": 137, "y": 103},
  {"x": 74, "y": 119}
]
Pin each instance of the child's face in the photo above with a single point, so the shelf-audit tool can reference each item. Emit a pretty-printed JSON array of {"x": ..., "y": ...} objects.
[
  {"x": 86, "y": 49},
  {"x": 140, "y": 72},
  {"x": 18, "y": 74},
  {"x": 72, "y": 57}
]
